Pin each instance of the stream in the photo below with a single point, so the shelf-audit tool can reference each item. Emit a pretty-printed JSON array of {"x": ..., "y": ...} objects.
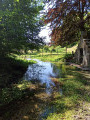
[
  {"x": 37, "y": 107},
  {"x": 44, "y": 93},
  {"x": 41, "y": 73}
]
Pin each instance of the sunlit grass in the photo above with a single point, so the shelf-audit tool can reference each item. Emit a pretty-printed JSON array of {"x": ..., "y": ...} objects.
[
  {"x": 74, "y": 86},
  {"x": 75, "y": 92},
  {"x": 69, "y": 50},
  {"x": 49, "y": 57},
  {"x": 73, "y": 82},
  {"x": 16, "y": 92}
]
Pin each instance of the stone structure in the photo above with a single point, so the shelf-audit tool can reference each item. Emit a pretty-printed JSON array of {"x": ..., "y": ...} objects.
[{"x": 82, "y": 54}]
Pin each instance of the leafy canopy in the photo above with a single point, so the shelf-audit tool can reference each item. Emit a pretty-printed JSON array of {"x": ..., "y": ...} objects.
[
  {"x": 19, "y": 24},
  {"x": 67, "y": 18}
]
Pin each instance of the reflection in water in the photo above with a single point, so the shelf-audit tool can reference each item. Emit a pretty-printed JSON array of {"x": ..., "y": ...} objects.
[{"x": 41, "y": 72}]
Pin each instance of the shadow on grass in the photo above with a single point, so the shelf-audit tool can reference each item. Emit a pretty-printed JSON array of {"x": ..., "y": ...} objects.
[
  {"x": 75, "y": 84},
  {"x": 75, "y": 87},
  {"x": 11, "y": 70},
  {"x": 29, "y": 106}
]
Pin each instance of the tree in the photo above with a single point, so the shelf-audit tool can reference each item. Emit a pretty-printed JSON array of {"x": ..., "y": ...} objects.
[
  {"x": 19, "y": 24},
  {"x": 70, "y": 12},
  {"x": 46, "y": 48},
  {"x": 67, "y": 33}
]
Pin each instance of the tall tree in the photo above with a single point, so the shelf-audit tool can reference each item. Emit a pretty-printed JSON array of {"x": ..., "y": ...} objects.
[
  {"x": 19, "y": 23},
  {"x": 70, "y": 11},
  {"x": 68, "y": 32}
]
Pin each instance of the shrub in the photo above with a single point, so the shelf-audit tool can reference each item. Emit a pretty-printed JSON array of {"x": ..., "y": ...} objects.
[{"x": 68, "y": 57}]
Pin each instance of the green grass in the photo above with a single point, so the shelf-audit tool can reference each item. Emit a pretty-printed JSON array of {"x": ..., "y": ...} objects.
[
  {"x": 73, "y": 82},
  {"x": 74, "y": 85},
  {"x": 12, "y": 69},
  {"x": 15, "y": 92},
  {"x": 49, "y": 57},
  {"x": 75, "y": 89}
]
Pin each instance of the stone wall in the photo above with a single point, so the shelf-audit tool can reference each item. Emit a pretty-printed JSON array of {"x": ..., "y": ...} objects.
[
  {"x": 86, "y": 55},
  {"x": 82, "y": 55}
]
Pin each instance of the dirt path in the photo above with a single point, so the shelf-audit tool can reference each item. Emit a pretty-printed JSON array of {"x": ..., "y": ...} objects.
[{"x": 83, "y": 112}]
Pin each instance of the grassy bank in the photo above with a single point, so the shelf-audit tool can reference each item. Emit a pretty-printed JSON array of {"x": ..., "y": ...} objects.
[
  {"x": 74, "y": 103},
  {"x": 71, "y": 102},
  {"x": 12, "y": 69}
]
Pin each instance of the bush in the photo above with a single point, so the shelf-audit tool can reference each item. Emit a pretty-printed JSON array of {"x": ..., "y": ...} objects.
[{"x": 68, "y": 57}]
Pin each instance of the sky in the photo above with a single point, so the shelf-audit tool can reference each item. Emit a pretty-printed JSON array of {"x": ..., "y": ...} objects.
[{"x": 45, "y": 32}]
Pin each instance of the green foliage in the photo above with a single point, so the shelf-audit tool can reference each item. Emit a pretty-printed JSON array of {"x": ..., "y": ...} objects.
[
  {"x": 87, "y": 26},
  {"x": 73, "y": 44},
  {"x": 50, "y": 48},
  {"x": 68, "y": 56},
  {"x": 46, "y": 48},
  {"x": 58, "y": 48},
  {"x": 19, "y": 24}
]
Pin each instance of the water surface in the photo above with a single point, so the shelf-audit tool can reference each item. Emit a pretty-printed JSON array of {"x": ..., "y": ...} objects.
[{"x": 42, "y": 72}]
